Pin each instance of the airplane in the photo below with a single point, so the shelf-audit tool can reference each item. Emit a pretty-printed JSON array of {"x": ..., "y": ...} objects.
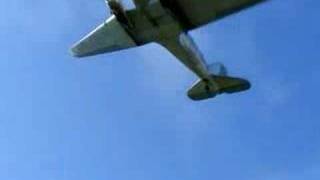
[{"x": 167, "y": 23}]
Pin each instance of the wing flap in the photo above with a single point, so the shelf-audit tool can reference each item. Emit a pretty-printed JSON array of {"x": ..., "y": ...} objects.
[{"x": 108, "y": 37}]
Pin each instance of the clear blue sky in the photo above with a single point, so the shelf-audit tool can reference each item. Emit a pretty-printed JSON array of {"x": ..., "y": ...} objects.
[{"x": 125, "y": 116}]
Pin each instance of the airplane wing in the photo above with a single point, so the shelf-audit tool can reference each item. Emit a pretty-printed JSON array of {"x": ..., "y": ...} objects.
[
  {"x": 108, "y": 37},
  {"x": 194, "y": 13}
]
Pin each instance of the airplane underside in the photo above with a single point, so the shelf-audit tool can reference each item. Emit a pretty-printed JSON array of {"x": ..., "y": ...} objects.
[{"x": 166, "y": 23}]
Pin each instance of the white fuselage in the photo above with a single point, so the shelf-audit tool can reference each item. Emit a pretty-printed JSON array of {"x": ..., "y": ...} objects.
[{"x": 156, "y": 23}]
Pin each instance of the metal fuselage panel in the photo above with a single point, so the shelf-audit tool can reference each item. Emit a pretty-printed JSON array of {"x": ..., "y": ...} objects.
[{"x": 153, "y": 22}]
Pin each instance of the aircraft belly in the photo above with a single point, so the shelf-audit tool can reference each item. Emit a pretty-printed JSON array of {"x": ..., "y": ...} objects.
[
  {"x": 154, "y": 23},
  {"x": 186, "y": 51}
]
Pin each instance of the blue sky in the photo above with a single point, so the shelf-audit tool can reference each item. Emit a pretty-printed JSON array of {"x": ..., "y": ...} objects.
[{"x": 125, "y": 115}]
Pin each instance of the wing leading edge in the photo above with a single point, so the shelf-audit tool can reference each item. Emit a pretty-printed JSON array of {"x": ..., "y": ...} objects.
[{"x": 108, "y": 37}]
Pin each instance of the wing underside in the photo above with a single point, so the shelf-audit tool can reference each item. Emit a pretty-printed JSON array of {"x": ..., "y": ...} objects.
[
  {"x": 195, "y": 13},
  {"x": 108, "y": 37}
]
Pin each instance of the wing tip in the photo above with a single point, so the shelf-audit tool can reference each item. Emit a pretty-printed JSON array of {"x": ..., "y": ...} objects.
[
  {"x": 75, "y": 52},
  {"x": 79, "y": 50}
]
